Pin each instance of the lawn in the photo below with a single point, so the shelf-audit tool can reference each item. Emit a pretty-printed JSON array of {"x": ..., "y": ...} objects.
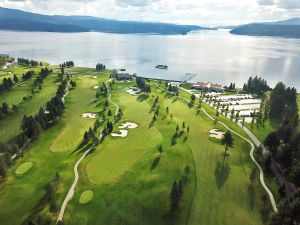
[
  {"x": 126, "y": 180},
  {"x": 119, "y": 171},
  {"x": 80, "y": 100},
  {"x": 24, "y": 195},
  {"x": 10, "y": 125}
]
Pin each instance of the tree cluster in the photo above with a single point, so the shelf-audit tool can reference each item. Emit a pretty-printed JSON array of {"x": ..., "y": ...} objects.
[
  {"x": 33, "y": 126},
  {"x": 27, "y": 62},
  {"x": 100, "y": 67},
  {"x": 288, "y": 211},
  {"x": 283, "y": 104},
  {"x": 4, "y": 109},
  {"x": 256, "y": 85},
  {"x": 141, "y": 83},
  {"x": 173, "y": 89},
  {"x": 27, "y": 75},
  {"x": 7, "y": 84},
  {"x": 42, "y": 75},
  {"x": 231, "y": 87},
  {"x": 67, "y": 64}
]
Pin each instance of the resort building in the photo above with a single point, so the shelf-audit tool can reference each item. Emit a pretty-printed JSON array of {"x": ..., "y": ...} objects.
[
  {"x": 208, "y": 86},
  {"x": 121, "y": 76},
  {"x": 174, "y": 84}
]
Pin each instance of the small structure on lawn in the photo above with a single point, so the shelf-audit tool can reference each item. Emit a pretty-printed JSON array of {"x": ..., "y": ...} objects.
[
  {"x": 208, "y": 86},
  {"x": 121, "y": 76},
  {"x": 174, "y": 84}
]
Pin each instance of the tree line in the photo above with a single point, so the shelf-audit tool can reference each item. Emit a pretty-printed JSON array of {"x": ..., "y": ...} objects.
[
  {"x": 100, "y": 67},
  {"x": 67, "y": 64},
  {"x": 42, "y": 75},
  {"x": 27, "y": 62},
  {"x": 284, "y": 144},
  {"x": 32, "y": 127},
  {"x": 141, "y": 83},
  {"x": 27, "y": 75},
  {"x": 256, "y": 85}
]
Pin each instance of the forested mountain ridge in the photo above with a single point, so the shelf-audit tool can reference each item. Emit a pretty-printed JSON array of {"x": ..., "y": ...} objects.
[{"x": 12, "y": 19}]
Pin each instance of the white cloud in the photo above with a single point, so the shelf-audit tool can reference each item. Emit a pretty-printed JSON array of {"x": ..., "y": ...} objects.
[{"x": 200, "y": 12}]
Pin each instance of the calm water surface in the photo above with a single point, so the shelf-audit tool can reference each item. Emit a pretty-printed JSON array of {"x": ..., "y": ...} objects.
[{"x": 215, "y": 55}]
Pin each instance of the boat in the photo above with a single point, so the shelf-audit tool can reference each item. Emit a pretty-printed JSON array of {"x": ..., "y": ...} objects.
[{"x": 162, "y": 67}]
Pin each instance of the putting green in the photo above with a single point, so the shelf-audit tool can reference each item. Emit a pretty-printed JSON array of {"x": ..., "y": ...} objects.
[
  {"x": 23, "y": 168},
  {"x": 86, "y": 196}
]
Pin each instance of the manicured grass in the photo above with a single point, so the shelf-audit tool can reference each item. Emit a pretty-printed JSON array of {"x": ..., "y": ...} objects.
[
  {"x": 262, "y": 132},
  {"x": 10, "y": 125},
  {"x": 79, "y": 100},
  {"x": 23, "y": 195},
  {"x": 135, "y": 194},
  {"x": 124, "y": 151},
  {"x": 24, "y": 168},
  {"x": 86, "y": 196},
  {"x": 126, "y": 180}
]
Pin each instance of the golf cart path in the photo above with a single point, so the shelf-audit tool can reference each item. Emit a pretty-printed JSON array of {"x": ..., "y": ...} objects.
[
  {"x": 261, "y": 172},
  {"x": 109, "y": 98},
  {"x": 278, "y": 174},
  {"x": 71, "y": 192}
]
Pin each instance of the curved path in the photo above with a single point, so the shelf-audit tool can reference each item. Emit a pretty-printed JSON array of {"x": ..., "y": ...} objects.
[
  {"x": 256, "y": 141},
  {"x": 109, "y": 98},
  {"x": 72, "y": 189},
  {"x": 261, "y": 172},
  {"x": 71, "y": 192}
]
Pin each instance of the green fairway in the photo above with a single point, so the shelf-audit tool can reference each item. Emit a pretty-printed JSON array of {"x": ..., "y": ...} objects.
[
  {"x": 23, "y": 168},
  {"x": 10, "y": 125},
  {"x": 86, "y": 196},
  {"x": 128, "y": 180},
  {"x": 29, "y": 190},
  {"x": 121, "y": 167},
  {"x": 80, "y": 100},
  {"x": 124, "y": 151}
]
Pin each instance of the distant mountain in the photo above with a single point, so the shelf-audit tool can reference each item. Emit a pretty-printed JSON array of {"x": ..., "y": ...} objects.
[
  {"x": 294, "y": 21},
  {"x": 17, "y": 20},
  {"x": 287, "y": 28}
]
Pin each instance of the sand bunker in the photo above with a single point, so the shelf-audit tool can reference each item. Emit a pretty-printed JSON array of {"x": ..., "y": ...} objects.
[
  {"x": 94, "y": 77},
  {"x": 215, "y": 133},
  {"x": 129, "y": 125},
  {"x": 96, "y": 87},
  {"x": 133, "y": 91},
  {"x": 122, "y": 133},
  {"x": 89, "y": 115}
]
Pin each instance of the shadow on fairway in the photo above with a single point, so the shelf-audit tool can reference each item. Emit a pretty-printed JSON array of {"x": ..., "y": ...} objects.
[
  {"x": 154, "y": 163},
  {"x": 142, "y": 97},
  {"x": 81, "y": 148},
  {"x": 221, "y": 174}
]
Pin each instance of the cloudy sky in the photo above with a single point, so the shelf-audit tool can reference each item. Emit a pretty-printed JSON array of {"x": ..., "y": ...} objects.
[{"x": 199, "y": 12}]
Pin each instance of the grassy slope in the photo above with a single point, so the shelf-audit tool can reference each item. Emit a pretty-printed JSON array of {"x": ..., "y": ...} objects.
[
  {"x": 119, "y": 172},
  {"x": 79, "y": 101},
  {"x": 129, "y": 187},
  {"x": 10, "y": 125},
  {"x": 226, "y": 203},
  {"x": 21, "y": 195}
]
